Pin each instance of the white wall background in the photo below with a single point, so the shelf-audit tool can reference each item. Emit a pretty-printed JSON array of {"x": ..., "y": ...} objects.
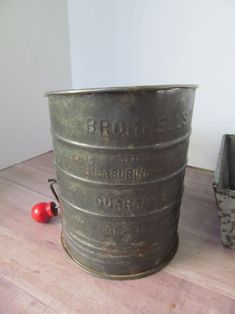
[
  {"x": 113, "y": 43},
  {"x": 34, "y": 58},
  {"x": 136, "y": 42}
]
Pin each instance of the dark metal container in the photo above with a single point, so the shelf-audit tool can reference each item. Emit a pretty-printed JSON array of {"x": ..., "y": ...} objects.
[
  {"x": 224, "y": 188},
  {"x": 120, "y": 156}
]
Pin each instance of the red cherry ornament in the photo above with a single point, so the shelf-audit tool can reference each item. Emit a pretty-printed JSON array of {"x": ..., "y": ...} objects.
[{"x": 44, "y": 211}]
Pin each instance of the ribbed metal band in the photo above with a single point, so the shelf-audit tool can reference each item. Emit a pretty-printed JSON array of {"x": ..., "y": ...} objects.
[
  {"x": 151, "y": 213},
  {"x": 125, "y": 148},
  {"x": 145, "y": 273},
  {"x": 111, "y": 184}
]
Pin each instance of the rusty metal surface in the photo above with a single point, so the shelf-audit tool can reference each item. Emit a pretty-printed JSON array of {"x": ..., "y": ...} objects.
[
  {"x": 120, "y": 158},
  {"x": 224, "y": 188}
]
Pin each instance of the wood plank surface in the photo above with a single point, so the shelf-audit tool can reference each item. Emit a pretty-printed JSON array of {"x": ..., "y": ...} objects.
[{"x": 36, "y": 275}]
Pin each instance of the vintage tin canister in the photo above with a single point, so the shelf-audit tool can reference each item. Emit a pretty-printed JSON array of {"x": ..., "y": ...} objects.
[{"x": 120, "y": 156}]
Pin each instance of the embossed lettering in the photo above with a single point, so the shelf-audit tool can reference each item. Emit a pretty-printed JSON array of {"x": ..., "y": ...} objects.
[
  {"x": 124, "y": 231},
  {"x": 106, "y": 202},
  {"x": 71, "y": 186},
  {"x": 104, "y": 127},
  {"x": 77, "y": 219},
  {"x": 119, "y": 127},
  {"x": 128, "y": 173},
  {"x": 163, "y": 196},
  {"x": 91, "y": 126},
  {"x": 74, "y": 157},
  {"x": 138, "y": 128}
]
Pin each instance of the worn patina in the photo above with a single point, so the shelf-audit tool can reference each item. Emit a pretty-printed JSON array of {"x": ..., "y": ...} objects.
[
  {"x": 224, "y": 188},
  {"x": 120, "y": 156}
]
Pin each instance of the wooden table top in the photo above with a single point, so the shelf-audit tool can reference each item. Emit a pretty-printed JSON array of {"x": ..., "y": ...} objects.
[{"x": 37, "y": 276}]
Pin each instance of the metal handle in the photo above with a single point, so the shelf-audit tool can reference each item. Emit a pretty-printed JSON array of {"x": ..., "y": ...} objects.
[{"x": 52, "y": 182}]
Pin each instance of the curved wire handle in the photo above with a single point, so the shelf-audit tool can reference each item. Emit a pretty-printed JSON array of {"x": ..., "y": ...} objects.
[{"x": 52, "y": 182}]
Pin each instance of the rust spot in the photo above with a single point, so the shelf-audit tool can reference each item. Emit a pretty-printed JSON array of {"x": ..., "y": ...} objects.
[{"x": 173, "y": 306}]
